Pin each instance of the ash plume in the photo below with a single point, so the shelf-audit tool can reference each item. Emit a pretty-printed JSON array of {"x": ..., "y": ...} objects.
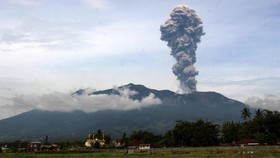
[{"x": 183, "y": 32}]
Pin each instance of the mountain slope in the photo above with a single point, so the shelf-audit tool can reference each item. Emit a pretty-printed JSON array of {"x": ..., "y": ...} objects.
[{"x": 36, "y": 124}]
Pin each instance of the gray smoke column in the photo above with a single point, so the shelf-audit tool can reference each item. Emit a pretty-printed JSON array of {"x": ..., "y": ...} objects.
[{"x": 183, "y": 32}]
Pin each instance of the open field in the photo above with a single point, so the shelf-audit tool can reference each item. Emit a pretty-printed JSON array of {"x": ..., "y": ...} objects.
[{"x": 201, "y": 152}]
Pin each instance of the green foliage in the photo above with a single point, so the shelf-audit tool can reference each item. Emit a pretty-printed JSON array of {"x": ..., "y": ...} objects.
[
  {"x": 144, "y": 137},
  {"x": 259, "y": 113},
  {"x": 230, "y": 131},
  {"x": 16, "y": 146},
  {"x": 124, "y": 140},
  {"x": 246, "y": 114},
  {"x": 99, "y": 134},
  {"x": 198, "y": 133},
  {"x": 64, "y": 145},
  {"x": 107, "y": 138},
  {"x": 270, "y": 139},
  {"x": 264, "y": 127},
  {"x": 260, "y": 137}
]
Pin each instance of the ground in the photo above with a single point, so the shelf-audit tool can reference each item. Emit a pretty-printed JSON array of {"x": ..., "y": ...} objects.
[{"x": 200, "y": 152}]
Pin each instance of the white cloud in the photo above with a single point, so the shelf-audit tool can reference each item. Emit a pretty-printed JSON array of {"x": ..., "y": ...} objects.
[
  {"x": 242, "y": 89},
  {"x": 25, "y": 2},
  {"x": 12, "y": 103},
  {"x": 54, "y": 47},
  {"x": 269, "y": 102},
  {"x": 59, "y": 58},
  {"x": 119, "y": 38},
  {"x": 99, "y": 4},
  {"x": 65, "y": 102}
]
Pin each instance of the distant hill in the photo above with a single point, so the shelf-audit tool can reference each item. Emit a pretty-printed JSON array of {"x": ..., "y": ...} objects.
[{"x": 36, "y": 124}]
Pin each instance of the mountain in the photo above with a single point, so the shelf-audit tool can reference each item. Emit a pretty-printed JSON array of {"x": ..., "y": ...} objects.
[{"x": 36, "y": 124}]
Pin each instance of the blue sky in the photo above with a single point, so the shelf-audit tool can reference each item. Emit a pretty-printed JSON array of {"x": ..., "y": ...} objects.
[{"x": 51, "y": 46}]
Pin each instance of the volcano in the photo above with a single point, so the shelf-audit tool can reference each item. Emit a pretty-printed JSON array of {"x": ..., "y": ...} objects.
[{"x": 36, "y": 124}]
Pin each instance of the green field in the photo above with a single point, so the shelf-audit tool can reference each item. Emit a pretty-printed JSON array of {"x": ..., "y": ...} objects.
[{"x": 201, "y": 152}]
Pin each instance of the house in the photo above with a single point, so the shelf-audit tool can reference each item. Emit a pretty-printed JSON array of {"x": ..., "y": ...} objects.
[
  {"x": 118, "y": 144},
  {"x": 144, "y": 146},
  {"x": 140, "y": 148},
  {"x": 33, "y": 146},
  {"x": 38, "y": 146},
  {"x": 51, "y": 147},
  {"x": 247, "y": 142},
  {"x": 4, "y": 148},
  {"x": 131, "y": 149}
]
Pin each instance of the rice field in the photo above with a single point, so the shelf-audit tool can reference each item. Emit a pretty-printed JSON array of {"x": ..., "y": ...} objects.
[{"x": 199, "y": 152}]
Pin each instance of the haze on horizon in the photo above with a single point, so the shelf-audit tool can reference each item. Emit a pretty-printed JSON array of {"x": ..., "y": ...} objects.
[{"x": 57, "y": 47}]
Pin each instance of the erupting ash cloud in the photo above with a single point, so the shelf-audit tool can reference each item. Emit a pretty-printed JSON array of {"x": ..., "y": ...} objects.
[{"x": 183, "y": 32}]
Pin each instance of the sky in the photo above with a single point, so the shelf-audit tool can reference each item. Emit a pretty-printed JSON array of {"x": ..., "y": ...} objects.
[{"x": 51, "y": 48}]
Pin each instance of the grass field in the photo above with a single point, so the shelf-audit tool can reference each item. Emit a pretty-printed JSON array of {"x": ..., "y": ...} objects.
[{"x": 203, "y": 152}]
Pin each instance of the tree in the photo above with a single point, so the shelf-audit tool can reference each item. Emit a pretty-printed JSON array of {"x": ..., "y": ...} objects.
[
  {"x": 107, "y": 138},
  {"x": 99, "y": 134},
  {"x": 245, "y": 114},
  {"x": 124, "y": 140},
  {"x": 144, "y": 137},
  {"x": 259, "y": 113},
  {"x": 272, "y": 122},
  {"x": 264, "y": 126},
  {"x": 260, "y": 138},
  {"x": 168, "y": 139},
  {"x": 231, "y": 131},
  {"x": 270, "y": 139},
  {"x": 198, "y": 133}
]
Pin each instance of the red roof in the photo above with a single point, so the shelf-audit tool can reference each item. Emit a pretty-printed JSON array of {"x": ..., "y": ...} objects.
[{"x": 246, "y": 141}]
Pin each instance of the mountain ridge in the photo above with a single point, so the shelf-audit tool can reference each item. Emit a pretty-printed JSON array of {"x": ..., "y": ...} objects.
[{"x": 36, "y": 124}]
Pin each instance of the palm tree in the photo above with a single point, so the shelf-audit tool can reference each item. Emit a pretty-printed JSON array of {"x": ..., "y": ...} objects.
[
  {"x": 259, "y": 113},
  {"x": 245, "y": 114}
]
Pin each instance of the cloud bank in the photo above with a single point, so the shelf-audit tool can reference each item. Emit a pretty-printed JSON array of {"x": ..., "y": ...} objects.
[
  {"x": 98, "y": 4},
  {"x": 65, "y": 102},
  {"x": 269, "y": 102}
]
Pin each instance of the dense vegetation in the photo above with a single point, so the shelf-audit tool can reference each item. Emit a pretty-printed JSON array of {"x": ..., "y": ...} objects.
[
  {"x": 185, "y": 133},
  {"x": 264, "y": 127}
]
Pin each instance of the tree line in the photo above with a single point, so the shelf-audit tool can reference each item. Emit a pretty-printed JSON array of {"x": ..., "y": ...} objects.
[{"x": 262, "y": 126}]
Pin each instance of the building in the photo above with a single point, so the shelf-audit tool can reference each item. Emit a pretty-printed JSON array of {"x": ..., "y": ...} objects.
[
  {"x": 144, "y": 146},
  {"x": 140, "y": 148},
  {"x": 51, "y": 147},
  {"x": 247, "y": 142},
  {"x": 4, "y": 149},
  {"x": 131, "y": 149},
  {"x": 119, "y": 144},
  {"x": 93, "y": 139},
  {"x": 33, "y": 146},
  {"x": 38, "y": 146}
]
